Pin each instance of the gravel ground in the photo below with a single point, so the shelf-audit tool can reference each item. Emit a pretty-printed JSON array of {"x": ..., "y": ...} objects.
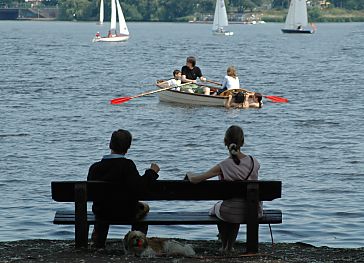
[{"x": 207, "y": 251}]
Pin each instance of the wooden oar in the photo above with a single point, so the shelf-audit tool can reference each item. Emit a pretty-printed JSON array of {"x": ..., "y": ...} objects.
[
  {"x": 213, "y": 82},
  {"x": 271, "y": 98},
  {"x": 125, "y": 99}
]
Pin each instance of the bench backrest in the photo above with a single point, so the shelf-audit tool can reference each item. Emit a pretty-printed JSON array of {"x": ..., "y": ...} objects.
[{"x": 168, "y": 190}]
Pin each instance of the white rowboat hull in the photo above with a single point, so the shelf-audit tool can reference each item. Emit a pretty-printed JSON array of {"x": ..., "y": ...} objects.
[{"x": 179, "y": 97}]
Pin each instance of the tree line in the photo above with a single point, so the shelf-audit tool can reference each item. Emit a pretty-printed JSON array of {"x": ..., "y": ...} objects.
[
  {"x": 167, "y": 10},
  {"x": 346, "y": 4}
]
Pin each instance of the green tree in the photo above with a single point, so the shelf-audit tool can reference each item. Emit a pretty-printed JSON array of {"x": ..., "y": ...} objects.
[
  {"x": 205, "y": 6},
  {"x": 314, "y": 14},
  {"x": 239, "y": 4},
  {"x": 131, "y": 12},
  {"x": 72, "y": 9},
  {"x": 178, "y": 9},
  {"x": 168, "y": 10},
  {"x": 280, "y": 3}
]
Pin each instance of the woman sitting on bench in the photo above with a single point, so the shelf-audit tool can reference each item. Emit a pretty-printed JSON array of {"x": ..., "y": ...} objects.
[{"x": 237, "y": 167}]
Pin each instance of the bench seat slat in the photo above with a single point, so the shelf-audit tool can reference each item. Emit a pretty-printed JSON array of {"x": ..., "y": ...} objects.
[{"x": 67, "y": 217}]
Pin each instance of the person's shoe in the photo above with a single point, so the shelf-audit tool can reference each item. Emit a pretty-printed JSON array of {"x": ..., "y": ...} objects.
[{"x": 97, "y": 246}]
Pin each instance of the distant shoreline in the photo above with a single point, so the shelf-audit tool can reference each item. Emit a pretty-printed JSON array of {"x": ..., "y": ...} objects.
[
  {"x": 173, "y": 22},
  {"x": 335, "y": 15}
]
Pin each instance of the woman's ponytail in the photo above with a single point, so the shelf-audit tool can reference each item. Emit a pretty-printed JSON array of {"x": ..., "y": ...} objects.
[
  {"x": 234, "y": 139},
  {"x": 233, "y": 150}
]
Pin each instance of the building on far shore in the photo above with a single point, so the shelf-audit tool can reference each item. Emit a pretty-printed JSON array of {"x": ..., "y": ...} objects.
[{"x": 29, "y": 10}]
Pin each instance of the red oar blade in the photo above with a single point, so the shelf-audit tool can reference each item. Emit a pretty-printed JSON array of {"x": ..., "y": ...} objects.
[
  {"x": 277, "y": 99},
  {"x": 120, "y": 100}
]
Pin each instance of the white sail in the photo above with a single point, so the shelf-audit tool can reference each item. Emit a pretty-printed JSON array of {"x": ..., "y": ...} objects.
[
  {"x": 101, "y": 12},
  {"x": 220, "y": 17},
  {"x": 113, "y": 16},
  {"x": 122, "y": 24},
  {"x": 113, "y": 36},
  {"x": 297, "y": 14}
]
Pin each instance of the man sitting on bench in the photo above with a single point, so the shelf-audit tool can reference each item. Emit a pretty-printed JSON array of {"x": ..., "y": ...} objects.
[{"x": 116, "y": 168}]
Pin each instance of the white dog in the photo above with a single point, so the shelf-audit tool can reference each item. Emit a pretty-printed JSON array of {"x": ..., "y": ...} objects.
[{"x": 135, "y": 242}]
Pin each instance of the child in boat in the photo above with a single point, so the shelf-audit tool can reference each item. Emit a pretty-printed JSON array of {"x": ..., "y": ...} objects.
[
  {"x": 231, "y": 80},
  {"x": 238, "y": 166},
  {"x": 115, "y": 167},
  {"x": 175, "y": 82}
]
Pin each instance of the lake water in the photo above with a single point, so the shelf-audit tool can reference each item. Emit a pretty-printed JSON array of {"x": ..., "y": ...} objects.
[{"x": 56, "y": 120}]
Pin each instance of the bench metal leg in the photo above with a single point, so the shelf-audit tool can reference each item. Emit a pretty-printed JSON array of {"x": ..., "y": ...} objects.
[
  {"x": 252, "y": 227},
  {"x": 81, "y": 225}
]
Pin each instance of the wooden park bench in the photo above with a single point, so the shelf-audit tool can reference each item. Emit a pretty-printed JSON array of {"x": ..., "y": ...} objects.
[{"x": 167, "y": 190}]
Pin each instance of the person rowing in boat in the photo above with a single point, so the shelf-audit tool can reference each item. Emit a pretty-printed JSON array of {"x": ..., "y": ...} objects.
[{"x": 190, "y": 73}]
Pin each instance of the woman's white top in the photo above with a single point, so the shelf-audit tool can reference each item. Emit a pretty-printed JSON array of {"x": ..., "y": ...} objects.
[
  {"x": 234, "y": 210},
  {"x": 231, "y": 83}
]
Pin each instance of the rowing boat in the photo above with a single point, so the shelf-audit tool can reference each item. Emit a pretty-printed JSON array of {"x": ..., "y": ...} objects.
[{"x": 174, "y": 96}]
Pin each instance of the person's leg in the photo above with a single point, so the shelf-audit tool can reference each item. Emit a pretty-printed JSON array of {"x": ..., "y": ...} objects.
[
  {"x": 206, "y": 90},
  {"x": 140, "y": 227},
  {"x": 221, "y": 91},
  {"x": 229, "y": 102},
  {"x": 222, "y": 227},
  {"x": 142, "y": 210},
  {"x": 232, "y": 234},
  {"x": 99, "y": 234}
]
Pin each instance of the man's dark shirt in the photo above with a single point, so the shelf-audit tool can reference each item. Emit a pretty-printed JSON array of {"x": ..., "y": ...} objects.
[
  {"x": 191, "y": 73},
  {"x": 124, "y": 172}
]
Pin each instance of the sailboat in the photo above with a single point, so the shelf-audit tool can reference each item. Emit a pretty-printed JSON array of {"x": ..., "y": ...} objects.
[
  {"x": 101, "y": 21},
  {"x": 113, "y": 36},
  {"x": 220, "y": 20},
  {"x": 296, "y": 19}
]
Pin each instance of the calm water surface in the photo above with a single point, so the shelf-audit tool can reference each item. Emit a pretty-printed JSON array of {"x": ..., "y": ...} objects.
[{"x": 55, "y": 120}]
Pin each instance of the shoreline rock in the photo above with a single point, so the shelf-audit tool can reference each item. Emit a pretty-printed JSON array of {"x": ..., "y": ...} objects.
[{"x": 63, "y": 251}]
